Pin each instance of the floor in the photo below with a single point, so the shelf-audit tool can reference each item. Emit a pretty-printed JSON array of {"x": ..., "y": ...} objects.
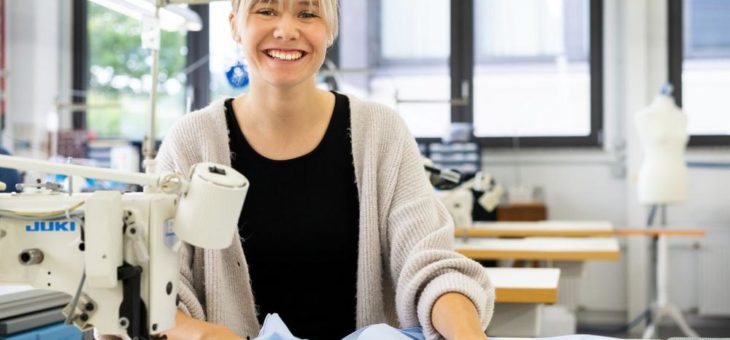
[{"x": 706, "y": 327}]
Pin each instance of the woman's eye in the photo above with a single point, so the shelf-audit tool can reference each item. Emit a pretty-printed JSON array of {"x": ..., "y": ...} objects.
[
  {"x": 266, "y": 12},
  {"x": 308, "y": 15}
]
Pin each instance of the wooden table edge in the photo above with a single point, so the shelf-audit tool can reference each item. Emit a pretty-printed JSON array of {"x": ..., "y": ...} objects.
[
  {"x": 526, "y": 295},
  {"x": 478, "y": 254}
]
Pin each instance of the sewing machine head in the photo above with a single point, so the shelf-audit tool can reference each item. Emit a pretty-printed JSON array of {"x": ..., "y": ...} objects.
[{"x": 115, "y": 253}]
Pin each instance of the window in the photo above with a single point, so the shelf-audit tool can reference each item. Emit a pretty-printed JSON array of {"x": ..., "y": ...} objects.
[
  {"x": 527, "y": 72},
  {"x": 537, "y": 72},
  {"x": 403, "y": 61},
  {"x": 699, "y": 61},
  {"x": 118, "y": 91},
  {"x": 532, "y": 73}
]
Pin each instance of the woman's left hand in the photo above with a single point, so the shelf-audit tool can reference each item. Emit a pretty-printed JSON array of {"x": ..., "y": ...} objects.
[{"x": 456, "y": 318}]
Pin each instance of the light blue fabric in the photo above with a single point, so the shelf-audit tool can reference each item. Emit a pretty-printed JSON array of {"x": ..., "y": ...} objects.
[
  {"x": 580, "y": 337},
  {"x": 384, "y": 332},
  {"x": 570, "y": 337},
  {"x": 415, "y": 333},
  {"x": 275, "y": 329}
]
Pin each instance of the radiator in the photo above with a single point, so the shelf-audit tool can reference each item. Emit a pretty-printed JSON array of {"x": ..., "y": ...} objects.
[
  {"x": 569, "y": 292},
  {"x": 714, "y": 280}
]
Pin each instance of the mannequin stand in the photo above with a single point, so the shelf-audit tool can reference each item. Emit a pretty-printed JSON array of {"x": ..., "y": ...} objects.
[{"x": 663, "y": 307}]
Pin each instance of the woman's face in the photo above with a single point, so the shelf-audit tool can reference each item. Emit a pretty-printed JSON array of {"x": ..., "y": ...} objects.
[{"x": 284, "y": 45}]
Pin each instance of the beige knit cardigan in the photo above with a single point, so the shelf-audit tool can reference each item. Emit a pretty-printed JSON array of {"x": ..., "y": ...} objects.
[{"x": 406, "y": 259}]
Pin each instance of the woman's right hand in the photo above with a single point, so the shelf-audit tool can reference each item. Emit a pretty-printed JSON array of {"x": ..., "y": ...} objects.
[{"x": 190, "y": 328}]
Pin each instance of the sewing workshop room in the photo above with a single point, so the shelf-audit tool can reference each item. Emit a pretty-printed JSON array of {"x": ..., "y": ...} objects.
[{"x": 364, "y": 169}]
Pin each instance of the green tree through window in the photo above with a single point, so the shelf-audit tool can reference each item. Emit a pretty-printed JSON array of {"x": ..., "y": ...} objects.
[{"x": 119, "y": 81}]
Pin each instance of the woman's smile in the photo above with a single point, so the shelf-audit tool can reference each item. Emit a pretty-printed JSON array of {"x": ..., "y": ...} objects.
[{"x": 285, "y": 55}]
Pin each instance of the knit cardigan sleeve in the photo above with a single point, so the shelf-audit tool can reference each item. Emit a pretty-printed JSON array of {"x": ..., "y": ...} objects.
[
  {"x": 422, "y": 259},
  {"x": 175, "y": 156}
]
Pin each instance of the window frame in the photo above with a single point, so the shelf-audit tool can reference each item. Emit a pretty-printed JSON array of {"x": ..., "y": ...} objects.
[
  {"x": 595, "y": 137},
  {"x": 461, "y": 64},
  {"x": 198, "y": 43},
  {"x": 675, "y": 53},
  {"x": 80, "y": 62},
  {"x": 3, "y": 62},
  {"x": 462, "y": 60}
]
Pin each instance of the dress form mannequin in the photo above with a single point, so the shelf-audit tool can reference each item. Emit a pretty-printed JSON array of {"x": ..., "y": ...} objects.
[
  {"x": 663, "y": 180},
  {"x": 663, "y": 135}
]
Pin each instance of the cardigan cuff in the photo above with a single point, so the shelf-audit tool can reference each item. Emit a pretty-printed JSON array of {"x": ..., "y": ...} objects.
[
  {"x": 188, "y": 303},
  {"x": 454, "y": 282}
]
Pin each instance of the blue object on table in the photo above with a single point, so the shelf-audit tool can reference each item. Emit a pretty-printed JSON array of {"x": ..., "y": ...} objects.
[{"x": 57, "y": 331}]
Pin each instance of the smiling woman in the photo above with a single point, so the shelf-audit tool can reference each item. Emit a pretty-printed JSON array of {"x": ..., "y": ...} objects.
[{"x": 330, "y": 175}]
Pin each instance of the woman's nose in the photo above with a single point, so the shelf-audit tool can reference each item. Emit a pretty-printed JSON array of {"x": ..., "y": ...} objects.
[{"x": 286, "y": 28}]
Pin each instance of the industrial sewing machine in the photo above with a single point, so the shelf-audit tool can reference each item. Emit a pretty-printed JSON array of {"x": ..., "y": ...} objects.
[
  {"x": 460, "y": 200},
  {"x": 115, "y": 253},
  {"x": 457, "y": 195}
]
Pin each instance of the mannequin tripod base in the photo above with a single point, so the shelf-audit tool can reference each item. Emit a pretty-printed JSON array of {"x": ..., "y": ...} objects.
[{"x": 671, "y": 311}]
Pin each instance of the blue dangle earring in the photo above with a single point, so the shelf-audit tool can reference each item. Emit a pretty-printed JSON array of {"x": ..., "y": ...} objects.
[{"x": 237, "y": 74}]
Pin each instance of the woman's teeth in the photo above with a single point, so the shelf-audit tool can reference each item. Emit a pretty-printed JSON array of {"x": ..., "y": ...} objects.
[{"x": 285, "y": 55}]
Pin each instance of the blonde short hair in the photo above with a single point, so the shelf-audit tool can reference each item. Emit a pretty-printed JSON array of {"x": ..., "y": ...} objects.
[{"x": 327, "y": 9}]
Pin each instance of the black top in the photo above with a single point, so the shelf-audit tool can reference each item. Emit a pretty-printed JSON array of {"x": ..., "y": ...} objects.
[{"x": 299, "y": 230}]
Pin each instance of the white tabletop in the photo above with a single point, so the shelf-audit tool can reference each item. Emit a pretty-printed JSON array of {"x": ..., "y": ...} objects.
[
  {"x": 549, "y": 225},
  {"x": 528, "y": 278},
  {"x": 541, "y": 248},
  {"x": 525, "y": 285}
]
